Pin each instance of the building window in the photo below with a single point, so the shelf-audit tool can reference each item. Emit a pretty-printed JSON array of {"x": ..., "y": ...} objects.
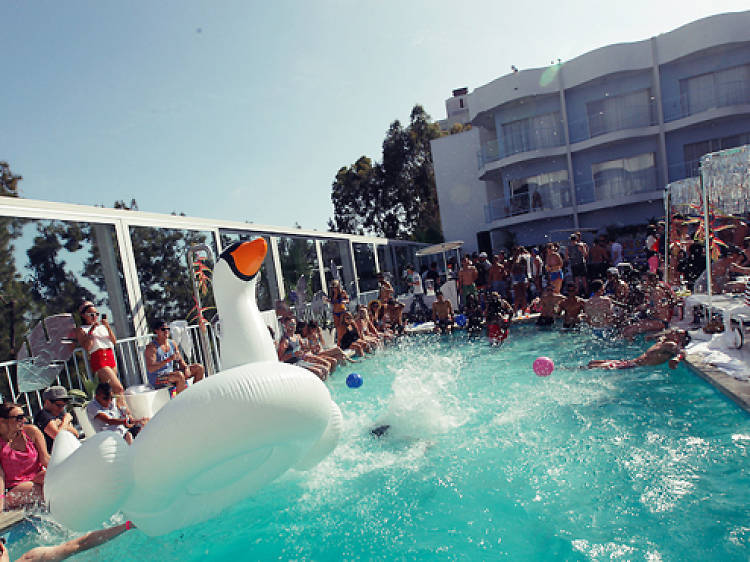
[
  {"x": 461, "y": 103},
  {"x": 532, "y": 133},
  {"x": 624, "y": 176},
  {"x": 695, "y": 150},
  {"x": 620, "y": 112},
  {"x": 546, "y": 191},
  {"x": 715, "y": 89}
]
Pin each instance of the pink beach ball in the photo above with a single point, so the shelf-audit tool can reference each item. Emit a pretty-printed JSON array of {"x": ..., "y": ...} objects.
[{"x": 543, "y": 366}]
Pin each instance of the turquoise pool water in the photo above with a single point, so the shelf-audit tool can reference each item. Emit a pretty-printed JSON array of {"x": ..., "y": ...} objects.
[{"x": 484, "y": 460}]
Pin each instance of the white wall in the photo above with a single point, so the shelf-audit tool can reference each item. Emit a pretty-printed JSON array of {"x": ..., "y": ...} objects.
[{"x": 461, "y": 195}]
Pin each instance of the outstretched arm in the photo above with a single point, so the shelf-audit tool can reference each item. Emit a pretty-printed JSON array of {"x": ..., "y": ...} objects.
[{"x": 80, "y": 544}]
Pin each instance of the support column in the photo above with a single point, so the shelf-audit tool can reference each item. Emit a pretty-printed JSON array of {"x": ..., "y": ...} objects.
[
  {"x": 568, "y": 154},
  {"x": 664, "y": 171}
]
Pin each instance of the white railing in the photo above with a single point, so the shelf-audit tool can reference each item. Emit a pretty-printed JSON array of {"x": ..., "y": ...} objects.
[{"x": 130, "y": 361}]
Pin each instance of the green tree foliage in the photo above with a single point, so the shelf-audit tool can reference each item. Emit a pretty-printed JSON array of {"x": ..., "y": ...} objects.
[
  {"x": 163, "y": 274},
  {"x": 54, "y": 287},
  {"x": 396, "y": 198},
  {"x": 14, "y": 292}
]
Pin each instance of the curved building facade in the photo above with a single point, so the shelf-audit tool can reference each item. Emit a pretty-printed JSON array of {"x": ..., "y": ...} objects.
[{"x": 592, "y": 142}]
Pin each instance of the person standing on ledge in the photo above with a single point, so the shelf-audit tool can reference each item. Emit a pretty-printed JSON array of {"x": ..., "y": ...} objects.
[{"x": 99, "y": 341}]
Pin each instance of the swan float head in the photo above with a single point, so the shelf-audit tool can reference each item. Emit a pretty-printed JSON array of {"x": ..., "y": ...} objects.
[{"x": 266, "y": 417}]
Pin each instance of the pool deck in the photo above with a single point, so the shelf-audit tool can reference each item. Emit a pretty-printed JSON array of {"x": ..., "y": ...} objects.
[{"x": 737, "y": 391}]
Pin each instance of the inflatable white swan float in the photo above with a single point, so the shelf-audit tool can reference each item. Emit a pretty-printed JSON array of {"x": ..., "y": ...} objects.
[{"x": 216, "y": 443}]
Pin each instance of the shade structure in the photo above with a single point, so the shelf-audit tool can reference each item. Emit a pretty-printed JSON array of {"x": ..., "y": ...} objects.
[{"x": 440, "y": 248}]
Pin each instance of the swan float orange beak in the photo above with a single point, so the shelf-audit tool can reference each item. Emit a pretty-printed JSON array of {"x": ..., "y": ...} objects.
[{"x": 245, "y": 258}]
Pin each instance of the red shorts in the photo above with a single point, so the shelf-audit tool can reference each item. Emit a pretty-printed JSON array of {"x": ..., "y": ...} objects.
[
  {"x": 102, "y": 358},
  {"x": 496, "y": 333}
]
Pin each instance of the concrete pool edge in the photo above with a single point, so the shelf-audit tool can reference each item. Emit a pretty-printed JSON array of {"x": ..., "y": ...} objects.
[{"x": 737, "y": 391}]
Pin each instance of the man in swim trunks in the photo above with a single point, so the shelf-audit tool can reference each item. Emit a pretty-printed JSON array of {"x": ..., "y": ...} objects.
[
  {"x": 467, "y": 277},
  {"x": 549, "y": 307},
  {"x": 577, "y": 255},
  {"x": 571, "y": 307},
  {"x": 483, "y": 271},
  {"x": 553, "y": 265},
  {"x": 442, "y": 313},
  {"x": 668, "y": 348}
]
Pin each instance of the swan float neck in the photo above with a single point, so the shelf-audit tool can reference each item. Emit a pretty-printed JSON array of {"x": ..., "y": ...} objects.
[{"x": 244, "y": 335}]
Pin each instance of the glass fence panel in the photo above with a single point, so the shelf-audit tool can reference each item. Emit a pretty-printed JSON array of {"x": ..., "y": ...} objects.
[
  {"x": 364, "y": 259},
  {"x": 266, "y": 289},
  {"x": 47, "y": 267},
  {"x": 164, "y": 274},
  {"x": 299, "y": 268}
]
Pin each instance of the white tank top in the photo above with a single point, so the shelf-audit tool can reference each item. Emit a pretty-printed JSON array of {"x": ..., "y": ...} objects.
[{"x": 101, "y": 337}]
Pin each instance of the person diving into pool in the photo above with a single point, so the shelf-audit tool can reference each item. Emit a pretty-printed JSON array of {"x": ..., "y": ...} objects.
[{"x": 668, "y": 348}]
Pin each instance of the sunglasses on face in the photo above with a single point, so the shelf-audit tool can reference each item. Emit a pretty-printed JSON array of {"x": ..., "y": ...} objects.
[
  {"x": 18, "y": 418},
  {"x": 60, "y": 404},
  {"x": 92, "y": 313},
  {"x": 162, "y": 329}
]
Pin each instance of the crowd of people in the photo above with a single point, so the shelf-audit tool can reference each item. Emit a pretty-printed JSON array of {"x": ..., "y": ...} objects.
[
  {"x": 567, "y": 285},
  {"x": 25, "y": 448}
]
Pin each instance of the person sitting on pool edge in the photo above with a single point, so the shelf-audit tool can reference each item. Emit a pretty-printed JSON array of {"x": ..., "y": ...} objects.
[
  {"x": 105, "y": 415},
  {"x": 23, "y": 459},
  {"x": 442, "y": 313},
  {"x": 164, "y": 363},
  {"x": 669, "y": 347}
]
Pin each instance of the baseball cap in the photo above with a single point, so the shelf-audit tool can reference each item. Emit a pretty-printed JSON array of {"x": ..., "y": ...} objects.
[
  {"x": 482, "y": 254},
  {"x": 613, "y": 271},
  {"x": 56, "y": 393}
]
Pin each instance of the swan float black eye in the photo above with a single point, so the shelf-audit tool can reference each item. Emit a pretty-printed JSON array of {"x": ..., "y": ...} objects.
[{"x": 245, "y": 258}]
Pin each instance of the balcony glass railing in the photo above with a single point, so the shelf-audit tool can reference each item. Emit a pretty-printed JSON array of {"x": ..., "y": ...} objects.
[
  {"x": 546, "y": 137},
  {"x": 546, "y": 198},
  {"x": 619, "y": 119},
  {"x": 617, "y": 186},
  {"x": 710, "y": 96},
  {"x": 488, "y": 152}
]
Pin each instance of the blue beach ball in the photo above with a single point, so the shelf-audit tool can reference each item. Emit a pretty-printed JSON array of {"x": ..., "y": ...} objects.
[
  {"x": 460, "y": 320},
  {"x": 354, "y": 380}
]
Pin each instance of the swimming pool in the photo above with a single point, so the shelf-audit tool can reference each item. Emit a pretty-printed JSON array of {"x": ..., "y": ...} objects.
[{"x": 485, "y": 460}]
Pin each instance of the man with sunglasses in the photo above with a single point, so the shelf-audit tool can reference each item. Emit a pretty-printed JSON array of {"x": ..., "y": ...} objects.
[
  {"x": 164, "y": 363},
  {"x": 52, "y": 418}
]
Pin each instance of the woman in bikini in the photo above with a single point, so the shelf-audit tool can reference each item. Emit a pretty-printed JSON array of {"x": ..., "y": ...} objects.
[{"x": 339, "y": 301}]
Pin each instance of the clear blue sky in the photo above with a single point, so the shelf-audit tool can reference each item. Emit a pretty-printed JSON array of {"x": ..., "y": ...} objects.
[{"x": 245, "y": 110}]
